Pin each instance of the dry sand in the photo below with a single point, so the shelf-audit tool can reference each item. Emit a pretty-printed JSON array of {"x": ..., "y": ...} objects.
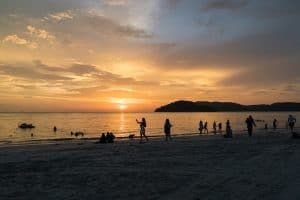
[{"x": 266, "y": 166}]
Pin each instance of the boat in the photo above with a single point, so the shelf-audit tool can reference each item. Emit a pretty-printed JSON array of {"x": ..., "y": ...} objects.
[{"x": 26, "y": 126}]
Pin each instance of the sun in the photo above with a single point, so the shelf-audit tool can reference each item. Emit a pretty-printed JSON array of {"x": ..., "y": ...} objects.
[{"x": 122, "y": 107}]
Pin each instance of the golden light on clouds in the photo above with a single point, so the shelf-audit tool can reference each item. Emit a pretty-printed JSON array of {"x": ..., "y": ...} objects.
[{"x": 132, "y": 55}]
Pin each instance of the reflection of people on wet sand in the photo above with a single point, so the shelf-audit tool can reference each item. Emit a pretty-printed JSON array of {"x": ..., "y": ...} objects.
[
  {"x": 250, "y": 123},
  {"x": 142, "y": 129},
  {"x": 167, "y": 129}
]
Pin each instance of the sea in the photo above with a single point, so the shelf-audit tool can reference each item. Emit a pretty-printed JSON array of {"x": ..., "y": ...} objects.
[{"x": 123, "y": 124}]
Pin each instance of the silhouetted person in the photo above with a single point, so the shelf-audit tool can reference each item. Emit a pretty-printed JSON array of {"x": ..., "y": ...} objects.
[
  {"x": 215, "y": 127},
  {"x": 291, "y": 121},
  {"x": 220, "y": 127},
  {"x": 54, "y": 129},
  {"x": 167, "y": 129},
  {"x": 205, "y": 127},
  {"x": 250, "y": 123},
  {"x": 143, "y": 126},
  {"x": 110, "y": 137},
  {"x": 102, "y": 138},
  {"x": 266, "y": 126},
  {"x": 201, "y": 127},
  {"x": 228, "y": 133},
  {"x": 274, "y": 124}
]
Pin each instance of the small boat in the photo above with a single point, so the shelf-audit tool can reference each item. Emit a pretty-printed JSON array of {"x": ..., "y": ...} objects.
[{"x": 26, "y": 126}]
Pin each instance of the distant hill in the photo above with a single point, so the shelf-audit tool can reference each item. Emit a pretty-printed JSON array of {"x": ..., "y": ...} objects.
[{"x": 205, "y": 106}]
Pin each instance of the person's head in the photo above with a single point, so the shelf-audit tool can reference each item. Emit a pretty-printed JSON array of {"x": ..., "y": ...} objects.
[
  {"x": 290, "y": 116},
  {"x": 167, "y": 121},
  {"x": 143, "y": 120}
]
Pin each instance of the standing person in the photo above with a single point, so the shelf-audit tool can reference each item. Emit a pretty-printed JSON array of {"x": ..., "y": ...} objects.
[
  {"x": 220, "y": 127},
  {"x": 201, "y": 127},
  {"x": 205, "y": 127},
  {"x": 167, "y": 129},
  {"x": 215, "y": 127},
  {"x": 228, "y": 133},
  {"x": 291, "y": 121},
  {"x": 142, "y": 129},
  {"x": 250, "y": 123},
  {"x": 274, "y": 124}
]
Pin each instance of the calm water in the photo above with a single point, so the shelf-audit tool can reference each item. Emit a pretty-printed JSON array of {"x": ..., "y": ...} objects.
[{"x": 122, "y": 124}]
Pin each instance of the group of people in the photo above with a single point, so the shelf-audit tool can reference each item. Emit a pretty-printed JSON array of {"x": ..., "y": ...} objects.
[
  {"x": 203, "y": 127},
  {"x": 290, "y": 124},
  {"x": 108, "y": 138}
]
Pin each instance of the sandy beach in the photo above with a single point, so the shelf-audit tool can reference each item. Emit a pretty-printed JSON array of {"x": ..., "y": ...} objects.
[{"x": 265, "y": 166}]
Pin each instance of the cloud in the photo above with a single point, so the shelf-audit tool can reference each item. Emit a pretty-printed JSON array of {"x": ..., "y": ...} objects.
[
  {"x": 60, "y": 16},
  {"x": 15, "y": 39},
  {"x": 40, "y": 33},
  {"x": 29, "y": 72},
  {"x": 116, "y": 2},
  {"x": 224, "y": 5},
  {"x": 108, "y": 26}
]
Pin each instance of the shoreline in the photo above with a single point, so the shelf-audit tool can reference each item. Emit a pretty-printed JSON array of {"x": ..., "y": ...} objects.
[
  {"x": 118, "y": 140},
  {"x": 66, "y": 140}
]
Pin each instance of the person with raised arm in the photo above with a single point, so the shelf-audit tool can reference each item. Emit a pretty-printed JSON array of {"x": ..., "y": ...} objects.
[{"x": 143, "y": 126}]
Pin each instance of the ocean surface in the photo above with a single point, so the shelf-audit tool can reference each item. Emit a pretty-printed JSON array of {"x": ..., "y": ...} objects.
[{"x": 122, "y": 124}]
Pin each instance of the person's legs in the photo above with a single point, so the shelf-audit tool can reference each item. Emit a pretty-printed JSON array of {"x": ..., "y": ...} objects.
[
  {"x": 145, "y": 136},
  {"x": 250, "y": 131},
  {"x": 141, "y": 137}
]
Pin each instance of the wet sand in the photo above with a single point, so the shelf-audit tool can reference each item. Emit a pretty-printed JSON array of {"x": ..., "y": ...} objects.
[{"x": 265, "y": 166}]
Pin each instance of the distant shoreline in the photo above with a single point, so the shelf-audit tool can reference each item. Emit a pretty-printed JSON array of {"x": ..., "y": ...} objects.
[{"x": 205, "y": 106}]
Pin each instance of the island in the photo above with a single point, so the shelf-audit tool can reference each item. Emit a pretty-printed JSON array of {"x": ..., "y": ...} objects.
[{"x": 205, "y": 106}]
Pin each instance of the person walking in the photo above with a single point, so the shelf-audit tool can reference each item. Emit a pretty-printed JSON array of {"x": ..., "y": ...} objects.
[
  {"x": 250, "y": 124},
  {"x": 205, "y": 127},
  {"x": 292, "y": 121},
  {"x": 201, "y": 127},
  {"x": 215, "y": 127}
]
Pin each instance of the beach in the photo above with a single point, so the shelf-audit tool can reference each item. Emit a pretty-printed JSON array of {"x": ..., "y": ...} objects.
[{"x": 265, "y": 166}]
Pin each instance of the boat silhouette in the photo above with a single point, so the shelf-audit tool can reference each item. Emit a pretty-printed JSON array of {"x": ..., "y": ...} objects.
[{"x": 26, "y": 126}]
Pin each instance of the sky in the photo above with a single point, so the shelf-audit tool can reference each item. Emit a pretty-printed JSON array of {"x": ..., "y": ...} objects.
[{"x": 134, "y": 56}]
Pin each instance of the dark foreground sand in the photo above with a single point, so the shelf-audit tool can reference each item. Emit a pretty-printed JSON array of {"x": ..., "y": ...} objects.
[{"x": 266, "y": 166}]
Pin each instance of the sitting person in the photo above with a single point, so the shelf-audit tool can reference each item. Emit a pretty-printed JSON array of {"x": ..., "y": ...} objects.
[
  {"x": 102, "y": 138},
  {"x": 228, "y": 130},
  {"x": 110, "y": 137}
]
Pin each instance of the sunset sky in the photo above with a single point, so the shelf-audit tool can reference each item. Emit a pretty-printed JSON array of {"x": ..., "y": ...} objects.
[{"x": 135, "y": 55}]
